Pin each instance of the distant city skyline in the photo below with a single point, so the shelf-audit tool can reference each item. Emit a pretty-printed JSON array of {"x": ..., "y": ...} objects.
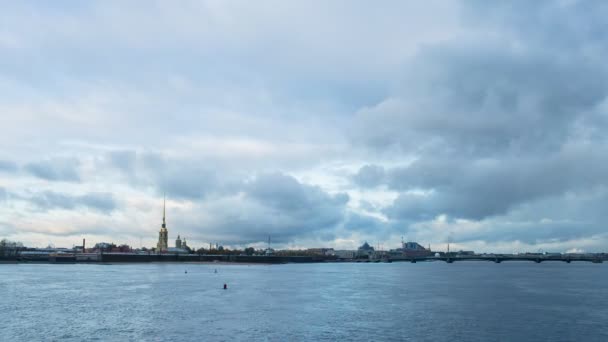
[{"x": 321, "y": 124}]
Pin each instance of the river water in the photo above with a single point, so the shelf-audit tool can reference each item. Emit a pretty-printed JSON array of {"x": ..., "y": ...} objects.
[{"x": 431, "y": 301}]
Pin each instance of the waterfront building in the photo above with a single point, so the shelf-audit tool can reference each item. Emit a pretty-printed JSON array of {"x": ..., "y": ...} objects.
[
  {"x": 178, "y": 242},
  {"x": 413, "y": 249},
  {"x": 163, "y": 234},
  {"x": 103, "y": 247},
  {"x": 365, "y": 250},
  {"x": 412, "y": 246},
  {"x": 175, "y": 250},
  {"x": 345, "y": 254},
  {"x": 321, "y": 251}
]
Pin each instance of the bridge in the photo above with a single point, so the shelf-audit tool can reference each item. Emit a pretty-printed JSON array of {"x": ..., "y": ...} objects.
[{"x": 498, "y": 258}]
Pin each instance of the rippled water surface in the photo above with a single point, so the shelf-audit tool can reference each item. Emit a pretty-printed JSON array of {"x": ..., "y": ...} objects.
[{"x": 466, "y": 301}]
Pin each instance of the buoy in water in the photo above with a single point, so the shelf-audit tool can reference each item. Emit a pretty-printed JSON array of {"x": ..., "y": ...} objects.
[
  {"x": 185, "y": 271},
  {"x": 225, "y": 287},
  {"x": 215, "y": 271}
]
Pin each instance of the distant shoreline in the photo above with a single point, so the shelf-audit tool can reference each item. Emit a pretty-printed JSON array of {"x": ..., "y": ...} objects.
[
  {"x": 105, "y": 258},
  {"x": 115, "y": 258},
  {"x": 222, "y": 263}
]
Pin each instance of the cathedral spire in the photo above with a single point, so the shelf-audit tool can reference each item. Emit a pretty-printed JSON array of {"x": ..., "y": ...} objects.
[
  {"x": 164, "y": 206},
  {"x": 162, "y": 244}
]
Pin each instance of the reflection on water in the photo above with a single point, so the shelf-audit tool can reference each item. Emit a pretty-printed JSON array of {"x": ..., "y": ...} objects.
[{"x": 467, "y": 301}]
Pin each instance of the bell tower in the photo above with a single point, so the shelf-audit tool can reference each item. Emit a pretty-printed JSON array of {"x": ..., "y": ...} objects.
[
  {"x": 163, "y": 234},
  {"x": 178, "y": 242}
]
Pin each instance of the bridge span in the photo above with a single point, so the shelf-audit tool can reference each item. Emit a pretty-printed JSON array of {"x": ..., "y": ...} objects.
[{"x": 498, "y": 258}]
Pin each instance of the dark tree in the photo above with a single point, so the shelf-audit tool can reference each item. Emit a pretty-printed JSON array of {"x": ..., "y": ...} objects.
[{"x": 10, "y": 248}]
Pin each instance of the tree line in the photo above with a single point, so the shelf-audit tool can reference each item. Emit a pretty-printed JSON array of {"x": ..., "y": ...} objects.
[{"x": 10, "y": 248}]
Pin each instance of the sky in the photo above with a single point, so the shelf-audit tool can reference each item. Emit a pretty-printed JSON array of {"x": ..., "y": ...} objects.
[{"x": 318, "y": 123}]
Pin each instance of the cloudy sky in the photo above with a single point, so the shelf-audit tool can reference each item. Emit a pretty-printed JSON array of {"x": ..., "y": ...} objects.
[{"x": 320, "y": 123}]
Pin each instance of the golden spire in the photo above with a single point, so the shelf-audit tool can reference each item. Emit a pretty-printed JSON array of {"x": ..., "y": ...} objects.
[{"x": 164, "y": 206}]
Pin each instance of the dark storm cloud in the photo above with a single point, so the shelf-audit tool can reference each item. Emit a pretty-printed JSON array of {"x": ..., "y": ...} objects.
[
  {"x": 509, "y": 115},
  {"x": 241, "y": 209},
  {"x": 286, "y": 194},
  {"x": 294, "y": 209},
  {"x": 190, "y": 179},
  {"x": 7, "y": 166},
  {"x": 364, "y": 223},
  {"x": 278, "y": 205},
  {"x": 579, "y": 217},
  {"x": 476, "y": 189},
  {"x": 575, "y": 215},
  {"x": 177, "y": 178},
  {"x": 189, "y": 182},
  {"x": 503, "y": 91},
  {"x": 370, "y": 176},
  {"x": 482, "y": 100},
  {"x": 55, "y": 169},
  {"x": 559, "y": 25},
  {"x": 49, "y": 200},
  {"x": 534, "y": 233}
]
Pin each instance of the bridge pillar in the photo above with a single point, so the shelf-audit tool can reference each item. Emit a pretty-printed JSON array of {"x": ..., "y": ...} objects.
[
  {"x": 537, "y": 260},
  {"x": 449, "y": 261},
  {"x": 413, "y": 261},
  {"x": 568, "y": 260},
  {"x": 497, "y": 261}
]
